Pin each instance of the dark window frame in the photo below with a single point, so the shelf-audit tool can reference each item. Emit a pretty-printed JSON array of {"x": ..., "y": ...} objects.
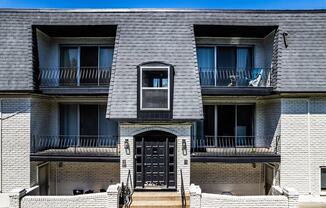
[{"x": 159, "y": 114}]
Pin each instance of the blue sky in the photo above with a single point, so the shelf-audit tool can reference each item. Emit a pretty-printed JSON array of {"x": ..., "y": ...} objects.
[{"x": 213, "y": 4}]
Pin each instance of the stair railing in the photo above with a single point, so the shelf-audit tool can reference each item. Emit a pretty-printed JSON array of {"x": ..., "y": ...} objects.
[
  {"x": 126, "y": 192},
  {"x": 183, "y": 194}
]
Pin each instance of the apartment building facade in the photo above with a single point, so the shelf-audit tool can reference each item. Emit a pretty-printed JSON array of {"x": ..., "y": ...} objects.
[{"x": 232, "y": 101}]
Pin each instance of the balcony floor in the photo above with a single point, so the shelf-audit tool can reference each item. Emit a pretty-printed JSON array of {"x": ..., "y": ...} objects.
[
  {"x": 77, "y": 153},
  {"x": 239, "y": 155}
]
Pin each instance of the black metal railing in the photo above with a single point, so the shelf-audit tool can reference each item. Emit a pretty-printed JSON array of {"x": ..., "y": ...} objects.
[
  {"x": 74, "y": 76},
  {"x": 75, "y": 144},
  {"x": 183, "y": 194},
  {"x": 234, "y": 77},
  {"x": 235, "y": 145},
  {"x": 125, "y": 197}
]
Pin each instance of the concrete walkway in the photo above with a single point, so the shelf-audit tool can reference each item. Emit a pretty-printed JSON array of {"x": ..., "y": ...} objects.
[{"x": 312, "y": 202}]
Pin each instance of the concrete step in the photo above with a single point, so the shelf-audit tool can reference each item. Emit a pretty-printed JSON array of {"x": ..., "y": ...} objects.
[
  {"x": 150, "y": 196},
  {"x": 158, "y": 200},
  {"x": 156, "y": 204}
]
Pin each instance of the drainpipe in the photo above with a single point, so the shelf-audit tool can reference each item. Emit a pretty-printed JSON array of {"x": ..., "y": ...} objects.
[{"x": 309, "y": 143}]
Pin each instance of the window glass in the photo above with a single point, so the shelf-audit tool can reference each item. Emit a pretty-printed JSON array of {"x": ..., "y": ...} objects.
[
  {"x": 155, "y": 98},
  {"x": 68, "y": 119},
  {"x": 323, "y": 179},
  {"x": 155, "y": 78},
  {"x": 106, "y": 57},
  {"x": 68, "y": 57},
  {"x": 226, "y": 58},
  {"x": 205, "y": 56},
  {"x": 209, "y": 118},
  {"x": 154, "y": 88}
]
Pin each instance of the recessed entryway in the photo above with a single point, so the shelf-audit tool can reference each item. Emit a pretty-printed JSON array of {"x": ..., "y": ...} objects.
[{"x": 155, "y": 161}]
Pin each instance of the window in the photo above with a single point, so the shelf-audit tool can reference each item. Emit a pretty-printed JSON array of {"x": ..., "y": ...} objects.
[
  {"x": 225, "y": 65},
  {"x": 323, "y": 179},
  {"x": 231, "y": 124},
  {"x": 85, "y": 65},
  {"x": 154, "y": 88}
]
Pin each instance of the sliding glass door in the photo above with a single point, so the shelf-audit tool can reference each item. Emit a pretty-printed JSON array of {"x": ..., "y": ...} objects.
[
  {"x": 206, "y": 64},
  {"x": 230, "y": 125},
  {"x": 225, "y": 65},
  {"x": 85, "y": 125},
  {"x": 69, "y": 64},
  {"x": 85, "y": 65}
]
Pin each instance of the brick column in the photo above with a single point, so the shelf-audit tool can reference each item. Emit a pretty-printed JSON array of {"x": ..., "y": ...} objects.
[
  {"x": 14, "y": 197},
  {"x": 195, "y": 196},
  {"x": 126, "y": 158},
  {"x": 113, "y": 195},
  {"x": 293, "y": 197}
]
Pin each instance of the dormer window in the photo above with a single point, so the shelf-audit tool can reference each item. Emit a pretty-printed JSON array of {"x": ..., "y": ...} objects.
[
  {"x": 155, "y": 88},
  {"x": 155, "y": 91}
]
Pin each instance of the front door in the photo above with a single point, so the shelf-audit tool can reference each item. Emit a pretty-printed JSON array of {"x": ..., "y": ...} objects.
[{"x": 155, "y": 162}]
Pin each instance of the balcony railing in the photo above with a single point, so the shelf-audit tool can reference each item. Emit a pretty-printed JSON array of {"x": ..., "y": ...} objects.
[
  {"x": 231, "y": 77},
  {"x": 235, "y": 146},
  {"x": 71, "y": 145},
  {"x": 52, "y": 77}
]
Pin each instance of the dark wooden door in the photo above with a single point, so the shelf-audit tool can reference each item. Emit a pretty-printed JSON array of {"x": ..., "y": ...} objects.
[{"x": 155, "y": 163}]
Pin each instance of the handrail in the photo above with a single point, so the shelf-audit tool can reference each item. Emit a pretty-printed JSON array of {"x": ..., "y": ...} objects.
[
  {"x": 235, "y": 145},
  {"x": 126, "y": 192},
  {"x": 183, "y": 195},
  {"x": 75, "y": 143},
  {"x": 74, "y": 76},
  {"x": 235, "y": 76}
]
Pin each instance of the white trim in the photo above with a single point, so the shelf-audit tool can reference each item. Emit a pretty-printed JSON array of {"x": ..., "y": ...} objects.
[{"x": 154, "y": 68}]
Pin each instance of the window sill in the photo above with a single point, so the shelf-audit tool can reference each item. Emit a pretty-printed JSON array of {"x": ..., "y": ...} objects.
[{"x": 323, "y": 193}]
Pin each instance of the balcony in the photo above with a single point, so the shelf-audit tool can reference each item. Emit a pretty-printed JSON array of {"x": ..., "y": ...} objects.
[
  {"x": 240, "y": 81},
  {"x": 234, "y": 149},
  {"x": 74, "y": 59},
  {"x": 74, "y": 77},
  {"x": 71, "y": 148},
  {"x": 228, "y": 77}
]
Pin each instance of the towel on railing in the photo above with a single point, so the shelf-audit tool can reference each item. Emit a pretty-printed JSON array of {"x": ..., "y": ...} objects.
[{"x": 256, "y": 76}]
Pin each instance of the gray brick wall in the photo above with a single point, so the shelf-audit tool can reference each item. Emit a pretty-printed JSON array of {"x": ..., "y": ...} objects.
[{"x": 267, "y": 122}]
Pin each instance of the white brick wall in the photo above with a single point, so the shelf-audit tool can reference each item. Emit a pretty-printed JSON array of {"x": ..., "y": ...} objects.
[
  {"x": 208, "y": 200},
  {"x": 303, "y": 143},
  {"x": 15, "y": 132},
  {"x": 182, "y": 131},
  {"x": 281, "y": 198},
  {"x": 98, "y": 200},
  {"x": 294, "y": 142},
  {"x": 240, "y": 179},
  {"x": 82, "y": 175}
]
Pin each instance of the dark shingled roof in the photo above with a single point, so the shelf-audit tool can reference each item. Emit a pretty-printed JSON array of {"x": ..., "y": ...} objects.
[{"x": 167, "y": 36}]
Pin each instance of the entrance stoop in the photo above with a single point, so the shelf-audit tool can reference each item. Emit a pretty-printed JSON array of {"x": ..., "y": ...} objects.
[{"x": 159, "y": 200}]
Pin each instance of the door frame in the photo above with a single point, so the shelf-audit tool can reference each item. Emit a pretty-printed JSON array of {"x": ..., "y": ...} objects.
[
  {"x": 174, "y": 137},
  {"x": 272, "y": 167},
  {"x": 48, "y": 175}
]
